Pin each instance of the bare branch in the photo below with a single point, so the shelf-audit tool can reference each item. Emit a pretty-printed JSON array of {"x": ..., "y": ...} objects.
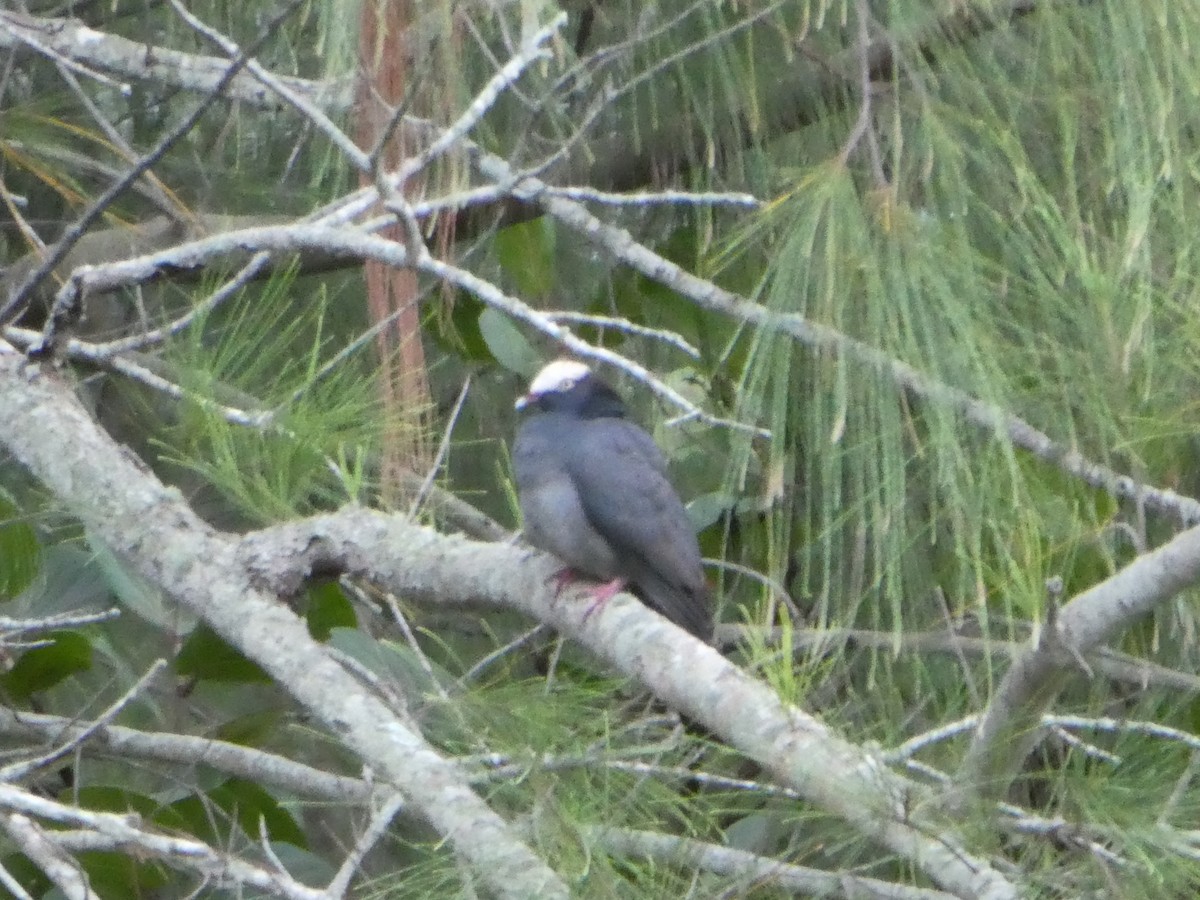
[
  {"x": 64, "y": 871},
  {"x": 439, "y": 458},
  {"x": 125, "y": 832},
  {"x": 1009, "y": 729},
  {"x": 380, "y": 822},
  {"x": 756, "y": 870},
  {"x": 688, "y": 675},
  {"x": 70, "y": 39},
  {"x": 655, "y": 198},
  {"x": 14, "y": 887},
  {"x": 21, "y": 770},
  {"x": 10, "y": 628},
  {"x": 164, "y": 541},
  {"x": 627, "y": 327},
  {"x": 189, "y": 750}
]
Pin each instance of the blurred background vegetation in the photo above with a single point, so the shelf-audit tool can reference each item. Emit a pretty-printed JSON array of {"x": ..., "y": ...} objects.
[{"x": 1007, "y": 211}]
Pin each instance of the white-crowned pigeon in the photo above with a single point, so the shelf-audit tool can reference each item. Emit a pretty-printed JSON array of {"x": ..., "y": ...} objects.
[{"x": 594, "y": 492}]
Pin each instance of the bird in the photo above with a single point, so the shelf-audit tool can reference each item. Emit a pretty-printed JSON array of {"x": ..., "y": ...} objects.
[{"x": 593, "y": 491}]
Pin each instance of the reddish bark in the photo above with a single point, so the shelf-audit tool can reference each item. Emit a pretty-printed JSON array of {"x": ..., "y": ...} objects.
[{"x": 385, "y": 64}]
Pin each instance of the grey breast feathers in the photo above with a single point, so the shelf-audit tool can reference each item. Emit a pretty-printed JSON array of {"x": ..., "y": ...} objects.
[
  {"x": 620, "y": 476},
  {"x": 551, "y": 508}
]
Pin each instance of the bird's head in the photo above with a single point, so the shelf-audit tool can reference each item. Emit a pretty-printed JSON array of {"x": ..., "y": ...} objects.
[{"x": 569, "y": 386}]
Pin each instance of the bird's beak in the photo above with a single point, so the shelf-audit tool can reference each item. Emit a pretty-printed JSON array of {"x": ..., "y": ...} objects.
[{"x": 523, "y": 402}]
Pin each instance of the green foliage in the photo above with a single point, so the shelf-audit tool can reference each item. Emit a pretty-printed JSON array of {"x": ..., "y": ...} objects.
[
  {"x": 328, "y": 608},
  {"x": 64, "y": 654},
  {"x": 506, "y": 343},
  {"x": 1017, "y": 224},
  {"x": 274, "y": 355},
  {"x": 526, "y": 255},
  {"x": 20, "y": 550},
  {"x": 206, "y": 655}
]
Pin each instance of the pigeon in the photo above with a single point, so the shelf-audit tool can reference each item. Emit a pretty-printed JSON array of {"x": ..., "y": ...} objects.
[{"x": 594, "y": 492}]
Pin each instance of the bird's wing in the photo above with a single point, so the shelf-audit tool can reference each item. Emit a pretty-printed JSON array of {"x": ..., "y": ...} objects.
[{"x": 620, "y": 475}]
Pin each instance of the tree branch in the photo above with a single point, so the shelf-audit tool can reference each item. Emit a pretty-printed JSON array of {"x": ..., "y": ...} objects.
[
  {"x": 620, "y": 244},
  {"x": 757, "y": 870},
  {"x": 64, "y": 871},
  {"x": 828, "y": 771},
  {"x": 1010, "y": 728},
  {"x": 189, "y": 750},
  {"x": 150, "y": 527},
  {"x": 112, "y": 831}
]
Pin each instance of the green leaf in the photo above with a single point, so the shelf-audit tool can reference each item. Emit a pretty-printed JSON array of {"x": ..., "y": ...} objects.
[
  {"x": 526, "y": 254},
  {"x": 20, "y": 550},
  {"x": 138, "y": 595},
  {"x": 707, "y": 508},
  {"x": 755, "y": 833},
  {"x": 250, "y": 803},
  {"x": 43, "y": 667},
  {"x": 505, "y": 342},
  {"x": 253, "y": 729},
  {"x": 206, "y": 655},
  {"x": 241, "y": 800},
  {"x": 109, "y": 798},
  {"x": 303, "y": 865},
  {"x": 328, "y": 608},
  {"x": 116, "y": 874},
  {"x": 391, "y": 661},
  {"x": 458, "y": 332}
]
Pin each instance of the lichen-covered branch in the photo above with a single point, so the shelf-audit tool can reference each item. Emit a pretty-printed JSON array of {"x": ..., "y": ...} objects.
[
  {"x": 1011, "y": 725},
  {"x": 797, "y": 749},
  {"x": 153, "y": 529}
]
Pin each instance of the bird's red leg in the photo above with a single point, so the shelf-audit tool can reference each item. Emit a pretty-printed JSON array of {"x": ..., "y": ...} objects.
[
  {"x": 602, "y": 594},
  {"x": 562, "y": 579}
]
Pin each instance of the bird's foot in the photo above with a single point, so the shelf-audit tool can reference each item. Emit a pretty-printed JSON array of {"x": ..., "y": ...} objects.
[
  {"x": 562, "y": 579},
  {"x": 602, "y": 594}
]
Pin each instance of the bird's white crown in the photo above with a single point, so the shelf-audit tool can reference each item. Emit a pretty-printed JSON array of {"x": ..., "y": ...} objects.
[{"x": 560, "y": 375}]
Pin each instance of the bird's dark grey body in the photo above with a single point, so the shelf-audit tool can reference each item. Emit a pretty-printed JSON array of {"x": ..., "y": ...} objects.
[{"x": 594, "y": 492}]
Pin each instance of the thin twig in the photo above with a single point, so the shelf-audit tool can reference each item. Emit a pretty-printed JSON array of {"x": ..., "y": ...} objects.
[
  {"x": 163, "y": 198},
  {"x": 21, "y": 770},
  {"x": 915, "y": 745},
  {"x": 656, "y": 198},
  {"x": 301, "y": 104},
  {"x": 79, "y": 227},
  {"x": 190, "y": 750},
  {"x": 214, "y": 300},
  {"x": 443, "y": 448},
  {"x": 14, "y": 887},
  {"x": 515, "y": 644},
  {"x": 746, "y": 866},
  {"x": 411, "y": 639},
  {"x": 381, "y": 820},
  {"x": 54, "y": 622},
  {"x": 626, "y": 326},
  {"x": 452, "y": 137},
  {"x": 179, "y": 852},
  {"x": 771, "y": 584}
]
